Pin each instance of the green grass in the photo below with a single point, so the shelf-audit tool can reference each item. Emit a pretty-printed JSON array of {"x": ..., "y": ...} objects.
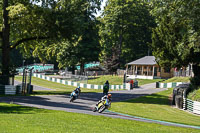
[
  {"x": 57, "y": 88},
  {"x": 100, "y": 80},
  {"x": 116, "y": 80},
  {"x": 156, "y": 106},
  {"x": 195, "y": 95},
  {"x": 19, "y": 119},
  {"x": 177, "y": 79},
  {"x": 148, "y": 81}
]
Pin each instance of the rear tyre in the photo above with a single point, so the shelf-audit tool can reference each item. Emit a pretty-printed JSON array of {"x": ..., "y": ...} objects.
[{"x": 72, "y": 99}]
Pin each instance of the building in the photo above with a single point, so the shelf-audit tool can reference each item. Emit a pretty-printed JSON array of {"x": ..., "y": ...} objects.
[{"x": 147, "y": 68}]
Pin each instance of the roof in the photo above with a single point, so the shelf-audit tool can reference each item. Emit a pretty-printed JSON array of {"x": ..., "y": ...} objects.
[{"x": 147, "y": 60}]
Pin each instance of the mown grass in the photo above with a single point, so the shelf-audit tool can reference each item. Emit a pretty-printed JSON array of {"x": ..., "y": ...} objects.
[
  {"x": 100, "y": 80},
  {"x": 148, "y": 81},
  {"x": 156, "y": 106},
  {"x": 177, "y": 79},
  {"x": 116, "y": 80},
  {"x": 57, "y": 88},
  {"x": 19, "y": 119}
]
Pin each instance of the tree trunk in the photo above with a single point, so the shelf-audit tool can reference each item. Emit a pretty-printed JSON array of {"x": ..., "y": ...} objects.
[
  {"x": 5, "y": 45},
  {"x": 82, "y": 68},
  {"x": 73, "y": 69},
  {"x": 196, "y": 79}
]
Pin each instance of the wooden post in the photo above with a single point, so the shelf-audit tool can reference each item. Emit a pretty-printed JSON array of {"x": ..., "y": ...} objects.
[
  {"x": 136, "y": 72},
  {"x": 127, "y": 69},
  {"x": 131, "y": 69},
  {"x": 147, "y": 70},
  {"x": 142, "y": 70},
  {"x": 153, "y": 71}
]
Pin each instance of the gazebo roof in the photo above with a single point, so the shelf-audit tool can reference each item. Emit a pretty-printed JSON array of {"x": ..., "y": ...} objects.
[{"x": 147, "y": 60}]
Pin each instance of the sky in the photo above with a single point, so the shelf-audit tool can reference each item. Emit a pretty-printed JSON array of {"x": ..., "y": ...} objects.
[
  {"x": 98, "y": 13},
  {"x": 102, "y": 7}
]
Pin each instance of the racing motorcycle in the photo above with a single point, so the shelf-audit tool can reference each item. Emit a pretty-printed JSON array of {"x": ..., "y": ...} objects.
[
  {"x": 105, "y": 104},
  {"x": 73, "y": 96}
]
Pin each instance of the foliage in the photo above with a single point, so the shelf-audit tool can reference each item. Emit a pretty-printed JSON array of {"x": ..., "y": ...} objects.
[
  {"x": 156, "y": 106},
  {"x": 176, "y": 39},
  {"x": 125, "y": 31},
  {"x": 31, "y": 26},
  {"x": 194, "y": 95}
]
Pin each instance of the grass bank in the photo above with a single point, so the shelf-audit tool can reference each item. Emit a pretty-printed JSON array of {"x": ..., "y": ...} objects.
[
  {"x": 195, "y": 95},
  {"x": 177, "y": 79},
  {"x": 57, "y": 88},
  {"x": 156, "y": 106},
  {"x": 116, "y": 80},
  {"x": 19, "y": 119}
]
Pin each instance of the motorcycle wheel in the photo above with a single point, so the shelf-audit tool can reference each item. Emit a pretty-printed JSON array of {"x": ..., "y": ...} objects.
[
  {"x": 72, "y": 99},
  {"x": 94, "y": 109},
  {"x": 102, "y": 108}
]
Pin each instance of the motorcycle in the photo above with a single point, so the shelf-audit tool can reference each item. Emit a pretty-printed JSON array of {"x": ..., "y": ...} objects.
[
  {"x": 105, "y": 104},
  {"x": 73, "y": 96}
]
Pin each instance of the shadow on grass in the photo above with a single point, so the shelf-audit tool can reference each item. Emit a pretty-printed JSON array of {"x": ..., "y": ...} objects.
[
  {"x": 16, "y": 109},
  {"x": 51, "y": 92}
]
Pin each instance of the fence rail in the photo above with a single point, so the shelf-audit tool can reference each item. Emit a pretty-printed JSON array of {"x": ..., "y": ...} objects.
[
  {"x": 168, "y": 85},
  {"x": 10, "y": 89},
  {"x": 84, "y": 85},
  {"x": 191, "y": 106}
]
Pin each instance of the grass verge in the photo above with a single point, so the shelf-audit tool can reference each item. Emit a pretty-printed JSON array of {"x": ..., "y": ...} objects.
[
  {"x": 116, "y": 80},
  {"x": 57, "y": 88},
  {"x": 19, "y": 119},
  {"x": 177, "y": 79},
  {"x": 156, "y": 106}
]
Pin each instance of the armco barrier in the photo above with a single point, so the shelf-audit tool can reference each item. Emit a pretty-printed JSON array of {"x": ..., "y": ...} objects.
[
  {"x": 168, "y": 85},
  {"x": 89, "y": 86},
  {"x": 191, "y": 106},
  {"x": 10, "y": 89}
]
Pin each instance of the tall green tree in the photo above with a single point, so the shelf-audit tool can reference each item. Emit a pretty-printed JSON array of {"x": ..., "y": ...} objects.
[
  {"x": 176, "y": 39},
  {"x": 32, "y": 24},
  {"x": 84, "y": 49},
  {"x": 125, "y": 32}
]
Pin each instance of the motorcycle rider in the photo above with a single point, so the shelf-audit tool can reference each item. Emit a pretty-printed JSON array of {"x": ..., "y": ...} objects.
[
  {"x": 106, "y": 88},
  {"x": 108, "y": 97},
  {"x": 78, "y": 91}
]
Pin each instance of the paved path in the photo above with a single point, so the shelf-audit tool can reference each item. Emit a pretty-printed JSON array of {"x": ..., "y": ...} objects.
[{"x": 86, "y": 102}]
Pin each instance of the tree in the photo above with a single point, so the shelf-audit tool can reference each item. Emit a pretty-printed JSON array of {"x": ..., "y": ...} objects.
[
  {"x": 28, "y": 27},
  {"x": 84, "y": 49},
  {"x": 125, "y": 31},
  {"x": 176, "y": 39}
]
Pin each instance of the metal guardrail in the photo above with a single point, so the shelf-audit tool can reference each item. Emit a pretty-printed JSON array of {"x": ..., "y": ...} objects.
[{"x": 191, "y": 106}]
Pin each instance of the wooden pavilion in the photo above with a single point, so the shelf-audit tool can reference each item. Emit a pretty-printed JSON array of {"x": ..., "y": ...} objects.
[{"x": 147, "y": 68}]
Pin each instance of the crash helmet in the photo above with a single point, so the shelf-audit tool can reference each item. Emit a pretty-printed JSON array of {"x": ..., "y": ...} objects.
[{"x": 109, "y": 96}]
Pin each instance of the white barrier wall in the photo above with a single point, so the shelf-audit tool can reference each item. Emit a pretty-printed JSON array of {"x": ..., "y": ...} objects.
[{"x": 89, "y": 86}]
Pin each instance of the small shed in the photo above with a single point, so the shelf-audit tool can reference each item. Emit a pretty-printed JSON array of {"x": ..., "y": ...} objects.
[{"x": 147, "y": 68}]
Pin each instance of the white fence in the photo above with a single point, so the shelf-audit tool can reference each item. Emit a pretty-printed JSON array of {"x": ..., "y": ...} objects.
[
  {"x": 191, "y": 106},
  {"x": 83, "y": 85}
]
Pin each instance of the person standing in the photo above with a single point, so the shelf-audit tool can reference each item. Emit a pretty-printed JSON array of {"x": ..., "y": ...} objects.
[{"x": 106, "y": 88}]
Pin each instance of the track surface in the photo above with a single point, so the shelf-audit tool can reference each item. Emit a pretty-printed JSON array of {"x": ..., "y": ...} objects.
[{"x": 87, "y": 101}]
